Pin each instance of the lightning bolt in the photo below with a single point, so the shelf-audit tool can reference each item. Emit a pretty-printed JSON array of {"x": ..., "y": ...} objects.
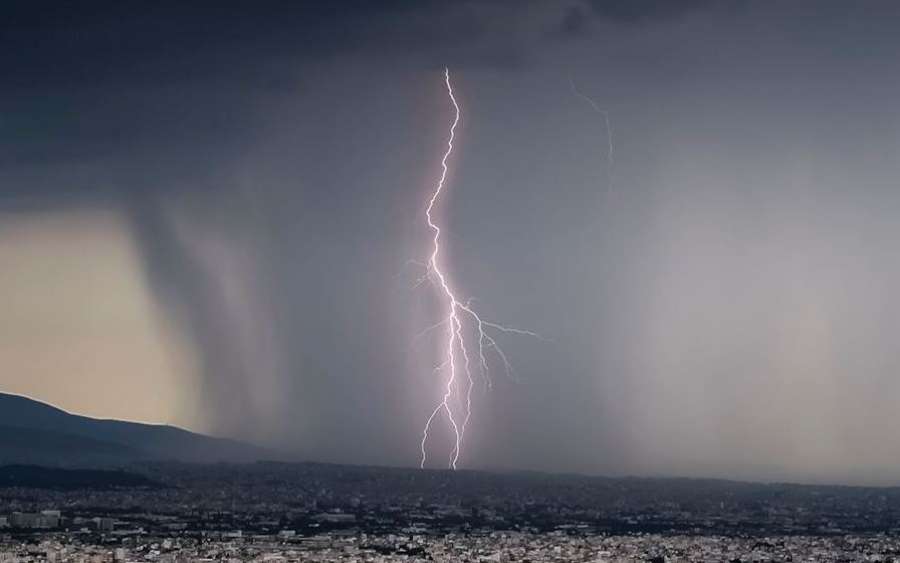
[
  {"x": 609, "y": 133},
  {"x": 460, "y": 321}
]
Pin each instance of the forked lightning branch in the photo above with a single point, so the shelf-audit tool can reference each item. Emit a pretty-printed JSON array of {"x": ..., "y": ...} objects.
[{"x": 462, "y": 357}]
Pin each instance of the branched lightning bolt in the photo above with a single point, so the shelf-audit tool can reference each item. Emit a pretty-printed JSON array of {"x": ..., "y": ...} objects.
[
  {"x": 461, "y": 316},
  {"x": 609, "y": 133}
]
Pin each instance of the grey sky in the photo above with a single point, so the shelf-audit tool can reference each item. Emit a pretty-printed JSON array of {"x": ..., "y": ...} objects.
[{"x": 727, "y": 307}]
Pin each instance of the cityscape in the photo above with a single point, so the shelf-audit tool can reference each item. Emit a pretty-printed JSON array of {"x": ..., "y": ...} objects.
[{"x": 267, "y": 511}]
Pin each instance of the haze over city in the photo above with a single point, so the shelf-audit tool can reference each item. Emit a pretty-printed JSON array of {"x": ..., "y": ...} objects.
[{"x": 213, "y": 215}]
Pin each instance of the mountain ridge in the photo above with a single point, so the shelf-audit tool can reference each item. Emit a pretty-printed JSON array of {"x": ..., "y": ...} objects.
[{"x": 33, "y": 430}]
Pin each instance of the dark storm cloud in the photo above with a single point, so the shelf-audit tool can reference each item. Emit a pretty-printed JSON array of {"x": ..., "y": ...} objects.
[
  {"x": 155, "y": 106},
  {"x": 577, "y": 18},
  {"x": 272, "y": 159},
  {"x": 573, "y": 22},
  {"x": 48, "y": 42},
  {"x": 643, "y": 11},
  {"x": 102, "y": 79}
]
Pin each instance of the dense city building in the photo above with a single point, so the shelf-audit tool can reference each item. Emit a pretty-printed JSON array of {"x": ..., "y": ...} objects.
[{"x": 307, "y": 512}]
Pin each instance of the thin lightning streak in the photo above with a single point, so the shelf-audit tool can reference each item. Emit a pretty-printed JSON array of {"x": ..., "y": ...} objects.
[
  {"x": 434, "y": 267},
  {"x": 431, "y": 328},
  {"x": 456, "y": 351},
  {"x": 609, "y": 133},
  {"x": 513, "y": 330}
]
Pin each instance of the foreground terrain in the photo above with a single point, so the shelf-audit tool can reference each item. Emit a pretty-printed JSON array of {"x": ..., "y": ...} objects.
[
  {"x": 478, "y": 546},
  {"x": 311, "y": 512}
]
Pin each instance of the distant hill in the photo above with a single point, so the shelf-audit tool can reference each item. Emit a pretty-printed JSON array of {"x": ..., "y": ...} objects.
[
  {"x": 37, "y": 477},
  {"x": 35, "y": 432}
]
